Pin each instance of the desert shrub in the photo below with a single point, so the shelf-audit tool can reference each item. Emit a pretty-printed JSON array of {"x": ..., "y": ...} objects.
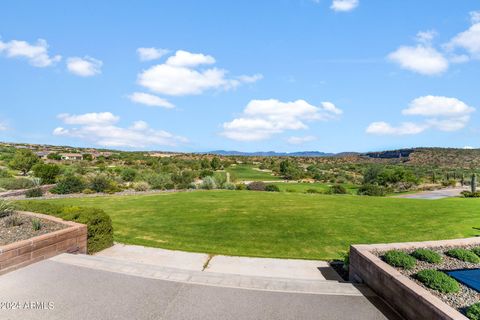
[
  {"x": 88, "y": 191},
  {"x": 183, "y": 179},
  {"x": 476, "y": 250},
  {"x": 128, "y": 174},
  {"x": 141, "y": 186},
  {"x": 399, "y": 259},
  {"x": 473, "y": 312},
  {"x": 229, "y": 186},
  {"x": 5, "y": 174},
  {"x": 208, "y": 183},
  {"x": 99, "y": 183},
  {"x": 309, "y": 191},
  {"x": 256, "y": 186},
  {"x": 337, "y": 189},
  {"x": 272, "y": 188},
  {"x": 159, "y": 181},
  {"x": 449, "y": 183},
  {"x": 36, "y": 224},
  {"x": 206, "y": 173},
  {"x": 34, "y": 192},
  {"x": 16, "y": 184},
  {"x": 48, "y": 173},
  {"x": 464, "y": 255},
  {"x": 372, "y": 190},
  {"x": 6, "y": 208},
  {"x": 241, "y": 186},
  {"x": 13, "y": 221},
  {"x": 469, "y": 194},
  {"x": 427, "y": 255},
  {"x": 99, "y": 224},
  {"x": 438, "y": 280},
  {"x": 69, "y": 184},
  {"x": 220, "y": 179}
]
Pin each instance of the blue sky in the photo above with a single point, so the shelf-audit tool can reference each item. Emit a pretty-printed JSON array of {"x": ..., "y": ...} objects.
[{"x": 284, "y": 75}]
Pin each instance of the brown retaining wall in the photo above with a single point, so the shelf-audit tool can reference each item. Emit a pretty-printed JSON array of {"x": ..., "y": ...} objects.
[
  {"x": 72, "y": 239},
  {"x": 408, "y": 298}
]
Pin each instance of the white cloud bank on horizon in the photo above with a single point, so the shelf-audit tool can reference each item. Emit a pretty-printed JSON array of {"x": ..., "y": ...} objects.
[
  {"x": 261, "y": 119},
  {"x": 84, "y": 67},
  {"x": 441, "y": 113},
  {"x": 344, "y": 5},
  {"x": 101, "y": 128},
  {"x": 36, "y": 54},
  {"x": 425, "y": 59}
]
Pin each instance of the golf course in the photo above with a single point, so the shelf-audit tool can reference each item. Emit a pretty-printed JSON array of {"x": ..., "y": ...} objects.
[{"x": 279, "y": 224}]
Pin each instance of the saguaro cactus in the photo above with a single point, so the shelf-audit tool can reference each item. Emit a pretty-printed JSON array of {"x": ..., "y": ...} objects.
[{"x": 473, "y": 183}]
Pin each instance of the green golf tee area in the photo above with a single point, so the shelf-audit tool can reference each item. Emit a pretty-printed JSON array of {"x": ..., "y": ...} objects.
[{"x": 282, "y": 225}]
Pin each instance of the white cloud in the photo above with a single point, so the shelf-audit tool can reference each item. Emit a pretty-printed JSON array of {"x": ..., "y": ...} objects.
[
  {"x": 475, "y": 17},
  {"x": 36, "y": 54},
  {"x": 437, "y": 106},
  {"x": 468, "y": 40},
  {"x": 422, "y": 59},
  {"x": 344, "y": 5},
  {"x": 441, "y": 113},
  {"x": 184, "y": 58},
  {"x": 426, "y": 37},
  {"x": 101, "y": 129},
  {"x": 301, "y": 140},
  {"x": 3, "y": 126},
  {"x": 84, "y": 67},
  {"x": 263, "y": 118},
  {"x": 150, "y": 100},
  {"x": 179, "y": 77},
  {"x": 148, "y": 54},
  {"x": 384, "y": 128}
]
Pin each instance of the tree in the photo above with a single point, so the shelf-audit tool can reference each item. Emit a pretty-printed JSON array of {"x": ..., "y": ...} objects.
[
  {"x": 54, "y": 156},
  {"x": 216, "y": 164},
  {"x": 23, "y": 160},
  {"x": 46, "y": 172}
]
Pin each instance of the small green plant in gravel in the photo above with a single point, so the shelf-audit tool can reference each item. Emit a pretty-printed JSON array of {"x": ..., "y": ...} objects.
[
  {"x": 427, "y": 255},
  {"x": 13, "y": 221},
  {"x": 6, "y": 208},
  {"x": 36, "y": 224},
  {"x": 438, "y": 280},
  {"x": 473, "y": 312},
  {"x": 464, "y": 255},
  {"x": 399, "y": 259}
]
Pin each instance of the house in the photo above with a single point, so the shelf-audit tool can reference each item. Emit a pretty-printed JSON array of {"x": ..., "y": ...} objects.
[
  {"x": 71, "y": 156},
  {"x": 42, "y": 154}
]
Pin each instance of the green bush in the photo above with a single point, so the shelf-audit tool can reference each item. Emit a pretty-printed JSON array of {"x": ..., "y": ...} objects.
[
  {"x": 141, "y": 186},
  {"x": 476, "y": 250},
  {"x": 208, "y": 183},
  {"x": 427, "y": 255},
  {"x": 229, "y": 186},
  {"x": 372, "y": 190},
  {"x": 399, "y": 259},
  {"x": 129, "y": 174},
  {"x": 99, "y": 224},
  {"x": 100, "y": 183},
  {"x": 69, "y": 184},
  {"x": 464, "y": 255},
  {"x": 473, "y": 312},
  {"x": 469, "y": 194},
  {"x": 5, "y": 174},
  {"x": 438, "y": 280},
  {"x": 241, "y": 186},
  {"x": 36, "y": 224},
  {"x": 34, "y": 193},
  {"x": 309, "y": 191},
  {"x": 16, "y": 184},
  {"x": 337, "y": 189},
  {"x": 256, "y": 186},
  {"x": 272, "y": 188},
  {"x": 158, "y": 181},
  {"x": 48, "y": 173},
  {"x": 6, "y": 208}
]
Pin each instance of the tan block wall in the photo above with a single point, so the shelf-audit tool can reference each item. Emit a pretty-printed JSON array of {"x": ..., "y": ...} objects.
[
  {"x": 412, "y": 301},
  {"x": 72, "y": 239}
]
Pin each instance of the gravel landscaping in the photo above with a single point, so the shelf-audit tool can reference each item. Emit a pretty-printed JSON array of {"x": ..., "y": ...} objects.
[
  {"x": 460, "y": 300},
  {"x": 23, "y": 228}
]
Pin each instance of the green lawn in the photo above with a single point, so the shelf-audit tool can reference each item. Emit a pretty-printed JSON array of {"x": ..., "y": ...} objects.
[
  {"x": 249, "y": 173},
  {"x": 287, "y": 225},
  {"x": 303, "y": 187}
]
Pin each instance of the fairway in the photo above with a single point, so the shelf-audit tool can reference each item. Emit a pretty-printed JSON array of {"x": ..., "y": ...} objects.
[
  {"x": 284, "y": 225},
  {"x": 319, "y": 187}
]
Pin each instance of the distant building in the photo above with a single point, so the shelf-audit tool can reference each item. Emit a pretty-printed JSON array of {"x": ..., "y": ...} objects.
[
  {"x": 71, "y": 156},
  {"x": 42, "y": 154}
]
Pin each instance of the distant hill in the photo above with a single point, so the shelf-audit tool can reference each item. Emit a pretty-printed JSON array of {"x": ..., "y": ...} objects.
[{"x": 271, "y": 153}]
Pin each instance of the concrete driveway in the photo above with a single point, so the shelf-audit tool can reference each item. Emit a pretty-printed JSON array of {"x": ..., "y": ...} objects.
[{"x": 65, "y": 291}]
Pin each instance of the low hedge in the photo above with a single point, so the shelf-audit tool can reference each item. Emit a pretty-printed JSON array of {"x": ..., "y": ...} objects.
[
  {"x": 473, "y": 312},
  {"x": 438, "y": 280},
  {"x": 426, "y": 255},
  {"x": 399, "y": 259},
  {"x": 464, "y": 255},
  {"x": 99, "y": 224}
]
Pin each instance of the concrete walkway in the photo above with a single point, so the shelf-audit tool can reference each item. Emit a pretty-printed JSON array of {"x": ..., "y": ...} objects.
[
  {"x": 264, "y": 267},
  {"x": 435, "y": 194},
  {"x": 60, "y": 288}
]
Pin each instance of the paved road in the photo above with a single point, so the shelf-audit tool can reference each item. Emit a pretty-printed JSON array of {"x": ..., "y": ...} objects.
[
  {"x": 85, "y": 293},
  {"x": 435, "y": 194}
]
